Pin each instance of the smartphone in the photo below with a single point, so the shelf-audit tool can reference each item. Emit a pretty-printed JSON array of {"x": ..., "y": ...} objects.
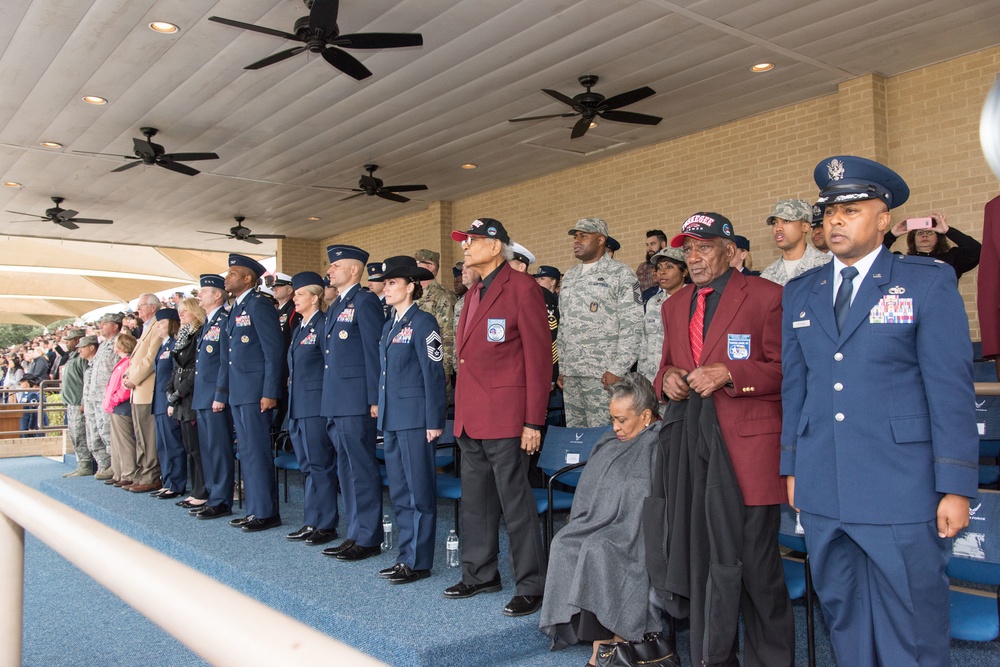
[{"x": 919, "y": 223}]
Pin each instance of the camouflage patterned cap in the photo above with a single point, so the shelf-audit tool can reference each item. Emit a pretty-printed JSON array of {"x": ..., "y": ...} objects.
[
  {"x": 115, "y": 318},
  {"x": 73, "y": 333},
  {"x": 87, "y": 340},
  {"x": 792, "y": 209},
  {"x": 675, "y": 255},
  {"x": 425, "y": 255},
  {"x": 590, "y": 225}
]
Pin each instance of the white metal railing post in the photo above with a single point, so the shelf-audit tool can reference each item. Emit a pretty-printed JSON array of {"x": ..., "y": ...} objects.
[{"x": 11, "y": 591}]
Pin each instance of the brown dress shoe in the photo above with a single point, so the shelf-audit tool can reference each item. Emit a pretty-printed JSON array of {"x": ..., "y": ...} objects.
[{"x": 145, "y": 488}]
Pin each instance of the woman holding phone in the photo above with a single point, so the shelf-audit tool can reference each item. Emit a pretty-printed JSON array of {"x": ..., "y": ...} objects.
[{"x": 933, "y": 242}]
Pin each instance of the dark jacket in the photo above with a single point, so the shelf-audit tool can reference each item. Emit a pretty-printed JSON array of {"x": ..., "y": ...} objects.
[
  {"x": 963, "y": 256},
  {"x": 181, "y": 386}
]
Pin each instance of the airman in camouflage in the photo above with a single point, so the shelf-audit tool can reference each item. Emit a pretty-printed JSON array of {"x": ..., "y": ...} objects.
[
  {"x": 600, "y": 327},
  {"x": 791, "y": 224},
  {"x": 99, "y": 421},
  {"x": 670, "y": 271},
  {"x": 440, "y": 303}
]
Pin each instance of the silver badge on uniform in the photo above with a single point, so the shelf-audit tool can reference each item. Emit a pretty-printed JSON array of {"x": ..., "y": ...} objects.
[
  {"x": 343, "y": 335},
  {"x": 245, "y": 339},
  {"x": 209, "y": 349}
]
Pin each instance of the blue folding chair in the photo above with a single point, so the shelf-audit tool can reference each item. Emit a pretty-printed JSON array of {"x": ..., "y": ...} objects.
[
  {"x": 564, "y": 452},
  {"x": 975, "y": 557},
  {"x": 988, "y": 423},
  {"x": 283, "y": 459},
  {"x": 798, "y": 576},
  {"x": 449, "y": 486}
]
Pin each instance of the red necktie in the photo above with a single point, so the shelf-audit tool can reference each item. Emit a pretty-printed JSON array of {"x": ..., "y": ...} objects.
[{"x": 696, "y": 328}]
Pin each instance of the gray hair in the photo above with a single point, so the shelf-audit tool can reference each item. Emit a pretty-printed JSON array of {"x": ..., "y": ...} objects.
[
  {"x": 507, "y": 250},
  {"x": 638, "y": 390},
  {"x": 148, "y": 300}
]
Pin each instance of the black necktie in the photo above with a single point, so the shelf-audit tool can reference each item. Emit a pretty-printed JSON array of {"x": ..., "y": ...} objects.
[{"x": 842, "y": 303}]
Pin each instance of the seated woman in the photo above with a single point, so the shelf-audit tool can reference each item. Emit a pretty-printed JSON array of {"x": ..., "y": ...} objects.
[{"x": 597, "y": 589}]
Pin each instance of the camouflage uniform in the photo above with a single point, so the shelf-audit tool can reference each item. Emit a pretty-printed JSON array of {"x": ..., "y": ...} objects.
[
  {"x": 440, "y": 303},
  {"x": 810, "y": 260},
  {"x": 98, "y": 421},
  {"x": 459, "y": 305},
  {"x": 72, "y": 395},
  {"x": 600, "y": 329},
  {"x": 652, "y": 337}
]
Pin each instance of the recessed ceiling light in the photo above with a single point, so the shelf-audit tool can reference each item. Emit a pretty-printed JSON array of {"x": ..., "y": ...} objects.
[
  {"x": 94, "y": 99},
  {"x": 313, "y": 218},
  {"x": 51, "y": 144},
  {"x": 469, "y": 165},
  {"x": 11, "y": 184},
  {"x": 163, "y": 27},
  {"x": 762, "y": 67}
]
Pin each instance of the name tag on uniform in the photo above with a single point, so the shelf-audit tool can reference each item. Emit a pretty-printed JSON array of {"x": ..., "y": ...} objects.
[
  {"x": 404, "y": 336},
  {"x": 739, "y": 346},
  {"x": 800, "y": 323},
  {"x": 496, "y": 330},
  {"x": 310, "y": 339},
  {"x": 212, "y": 334},
  {"x": 892, "y": 309},
  {"x": 346, "y": 315},
  {"x": 243, "y": 320}
]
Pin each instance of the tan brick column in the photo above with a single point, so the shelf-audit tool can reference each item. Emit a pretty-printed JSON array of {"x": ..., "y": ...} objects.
[
  {"x": 295, "y": 255},
  {"x": 864, "y": 127}
]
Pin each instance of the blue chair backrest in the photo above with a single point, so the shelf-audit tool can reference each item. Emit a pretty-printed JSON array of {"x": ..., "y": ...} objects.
[
  {"x": 566, "y": 446},
  {"x": 975, "y": 552},
  {"x": 446, "y": 456},
  {"x": 789, "y": 532},
  {"x": 987, "y": 407}
]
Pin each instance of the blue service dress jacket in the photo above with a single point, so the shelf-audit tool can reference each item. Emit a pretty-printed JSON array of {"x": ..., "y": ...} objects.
[
  {"x": 350, "y": 342},
  {"x": 207, "y": 378},
  {"x": 255, "y": 355},
  {"x": 879, "y": 419},
  {"x": 305, "y": 368},
  {"x": 164, "y": 370},
  {"x": 412, "y": 383}
]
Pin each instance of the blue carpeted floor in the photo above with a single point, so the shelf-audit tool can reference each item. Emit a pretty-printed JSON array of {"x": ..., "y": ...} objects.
[{"x": 70, "y": 620}]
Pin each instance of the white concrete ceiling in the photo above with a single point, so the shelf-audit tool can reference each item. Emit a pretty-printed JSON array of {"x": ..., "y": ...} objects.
[{"x": 284, "y": 131}]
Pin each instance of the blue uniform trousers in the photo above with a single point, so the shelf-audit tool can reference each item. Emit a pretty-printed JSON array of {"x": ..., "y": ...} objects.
[
  {"x": 883, "y": 590},
  {"x": 360, "y": 481},
  {"x": 215, "y": 435},
  {"x": 170, "y": 451},
  {"x": 253, "y": 442},
  {"x": 409, "y": 462},
  {"x": 318, "y": 464}
]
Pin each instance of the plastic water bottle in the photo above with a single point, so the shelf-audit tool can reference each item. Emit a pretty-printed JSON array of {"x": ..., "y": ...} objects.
[
  {"x": 454, "y": 560},
  {"x": 386, "y": 532}
]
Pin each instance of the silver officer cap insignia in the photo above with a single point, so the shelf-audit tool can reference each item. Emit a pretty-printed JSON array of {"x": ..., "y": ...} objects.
[{"x": 835, "y": 169}]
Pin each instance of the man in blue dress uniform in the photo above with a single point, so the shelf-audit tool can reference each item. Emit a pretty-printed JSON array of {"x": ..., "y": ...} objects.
[
  {"x": 215, "y": 427},
  {"x": 255, "y": 359},
  {"x": 350, "y": 389},
  {"x": 879, "y": 437}
]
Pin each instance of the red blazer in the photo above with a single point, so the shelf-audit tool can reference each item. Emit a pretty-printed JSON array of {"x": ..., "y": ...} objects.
[
  {"x": 988, "y": 300},
  {"x": 750, "y": 411},
  {"x": 504, "y": 352}
]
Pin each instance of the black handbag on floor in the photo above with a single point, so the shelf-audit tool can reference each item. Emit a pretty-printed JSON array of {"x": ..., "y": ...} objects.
[{"x": 654, "y": 650}]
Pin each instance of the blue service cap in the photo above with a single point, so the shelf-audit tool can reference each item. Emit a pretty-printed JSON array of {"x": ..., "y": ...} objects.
[
  {"x": 374, "y": 271},
  {"x": 212, "y": 280},
  {"x": 304, "y": 278},
  {"x": 845, "y": 178},
  {"x": 546, "y": 271},
  {"x": 338, "y": 252},
  {"x": 167, "y": 314},
  {"x": 612, "y": 244},
  {"x": 742, "y": 242},
  {"x": 326, "y": 281},
  {"x": 248, "y": 263}
]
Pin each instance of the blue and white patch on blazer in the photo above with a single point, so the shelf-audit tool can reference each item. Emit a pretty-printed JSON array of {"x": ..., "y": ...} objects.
[
  {"x": 435, "y": 348},
  {"x": 496, "y": 330},
  {"x": 739, "y": 346}
]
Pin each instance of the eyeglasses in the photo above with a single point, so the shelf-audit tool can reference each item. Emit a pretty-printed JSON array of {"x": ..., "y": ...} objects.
[{"x": 467, "y": 241}]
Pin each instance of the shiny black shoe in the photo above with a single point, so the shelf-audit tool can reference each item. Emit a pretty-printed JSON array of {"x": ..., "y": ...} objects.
[
  {"x": 239, "y": 521},
  {"x": 343, "y": 546},
  {"x": 167, "y": 495},
  {"x": 257, "y": 524},
  {"x": 407, "y": 576},
  {"x": 523, "y": 605},
  {"x": 187, "y": 504},
  {"x": 463, "y": 590},
  {"x": 389, "y": 571},
  {"x": 358, "y": 552},
  {"x": 214, "y": 512},
  {"x": 320, "y": 536},
  {"x": 300, "y": 534}
]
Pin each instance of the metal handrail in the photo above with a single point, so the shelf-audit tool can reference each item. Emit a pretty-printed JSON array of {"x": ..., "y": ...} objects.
[
  {"x": 160, "y": 588},
  {"x": 987, "y": 388}
]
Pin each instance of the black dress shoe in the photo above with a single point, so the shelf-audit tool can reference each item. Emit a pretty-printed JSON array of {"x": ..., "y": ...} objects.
[
  {"x": 158, "y": 492},
  {"x": 358, "y": 552},
  {"x": 214, "y": 512},
  {"x": 389, "y": 571},
  {"x": 167, "y": 495},
  {"x": 407, "y": 576},
  {"x": 523, "y": 605},
  {"x": 343, "y": 546},
  {"x": 197, "y": 509},
  {"x": 320, "y": 536},
  {"x": 187, "y": 504},
  {"x": 239, "y": 521},
  {"x": 257, "y": 524},
  {"x": 464, "y": 590},
  {"x": 300, "y": 534}
]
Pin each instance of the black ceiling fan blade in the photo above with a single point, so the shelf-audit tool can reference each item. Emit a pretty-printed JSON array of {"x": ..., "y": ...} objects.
[
  {"x": 403, "y": 188},
  {"x": 91, "y": 221},
  {"x": 559, "y": 96},
  {"x": 551, "y": 115},
  {"x": 26, "y": 220},
  {"x": 354, "y": 196},
  {"x": 391, "y": 196},
  {"x": 40, "y": 217},
  {"x": 368, "y": 181},
  {"x": 143, "y": 147},
  {"x": 251, "y": 239},
  {"x": 255, "y": 28},
  {"x": 267, "y": 236},
  {"x": 66, "y": 214},
  {"x": 346, "y": 63},
  {"x": 178, "y": 167},
  {"x": 215, "y": 233},
  {"x": 125, "y": 157},
  {"x": 276, "y": 58},
  {"x": 630, "y": 117},
  {"x": 68, "y": 224},
  {"x": 323, "y": 17},
  {"x": 581, "y": 127},
  {"x": 127, "y": 165},
  {"x": 379, "y": 40},
  {"x": 625, "y": 99},
  {"x": 188, "y": 157}
]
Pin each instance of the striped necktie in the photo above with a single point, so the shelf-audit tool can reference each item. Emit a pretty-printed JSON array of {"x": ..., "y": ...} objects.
[{"x": 696, "y": 328}]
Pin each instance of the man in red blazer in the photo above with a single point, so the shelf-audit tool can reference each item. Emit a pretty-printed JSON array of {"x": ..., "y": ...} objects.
[
  {"x": 735, "y": 357},
  {"x": 988, "y": 299},
  {"x": 504, "y": 352}
]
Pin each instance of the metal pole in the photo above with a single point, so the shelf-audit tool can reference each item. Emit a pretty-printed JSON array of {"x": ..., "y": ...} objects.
[{"x": 11, "y": 591}]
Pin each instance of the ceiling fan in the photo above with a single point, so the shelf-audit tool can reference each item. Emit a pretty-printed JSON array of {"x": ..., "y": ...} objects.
[
  {"x": 63, "y": 217},
  {"x": 320, "y": 34},
  {"x": 146, "y": 152},
  {"x": 241, "y": 233},
  {"x": 375, "y": 187},
  {"x": 590, "y": 105}
]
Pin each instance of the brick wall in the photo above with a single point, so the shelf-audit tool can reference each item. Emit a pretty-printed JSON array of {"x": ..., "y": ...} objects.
[
  {"x": 295, "y": 255},
  {"x": 924, "y": 124}
]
